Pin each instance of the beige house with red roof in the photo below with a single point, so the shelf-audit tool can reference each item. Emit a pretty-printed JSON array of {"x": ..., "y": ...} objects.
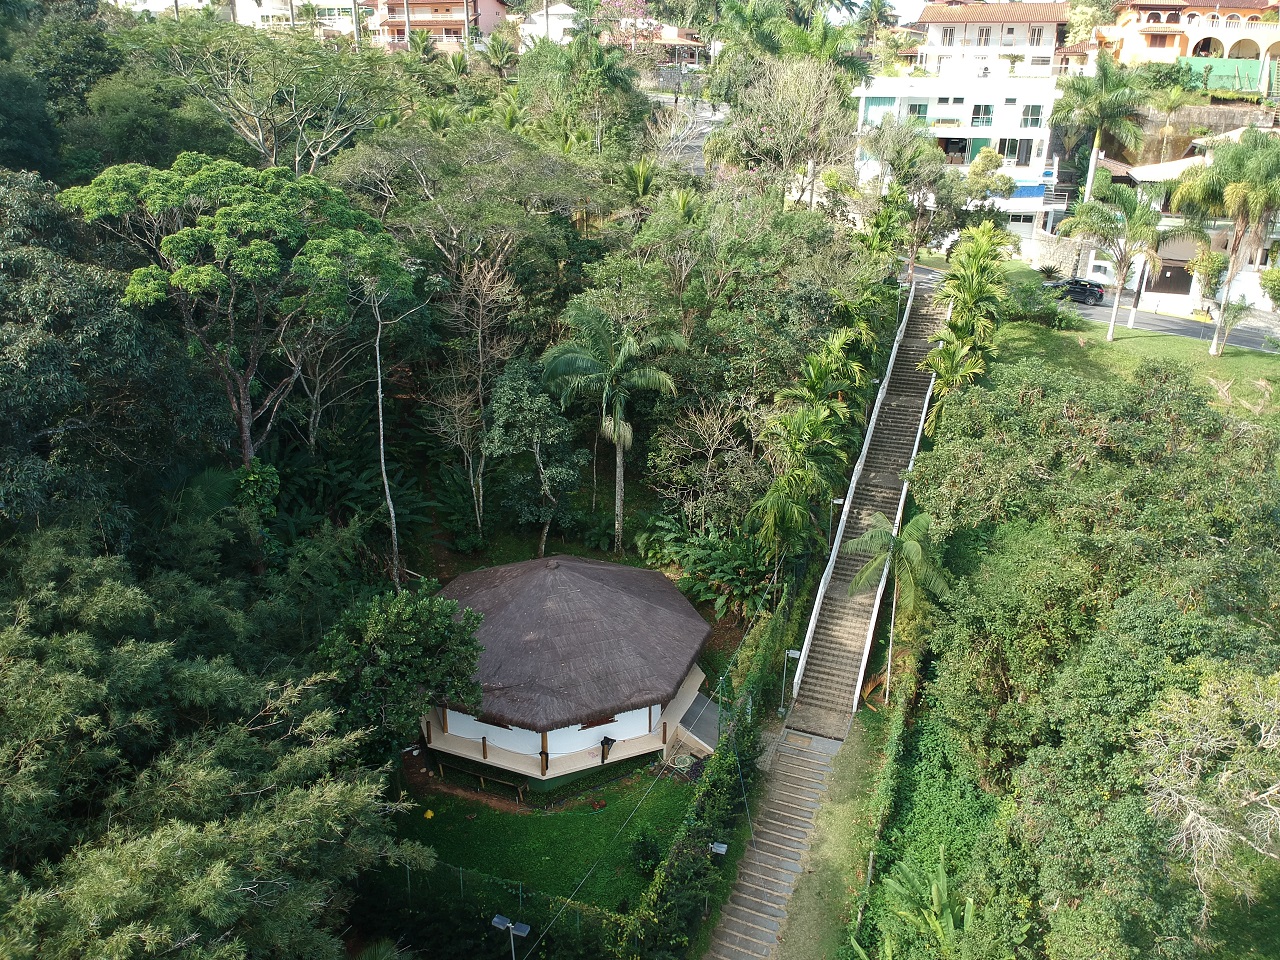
[
  {"x": 1234, "y": 40},
  {"x": 443, "y": 20}
]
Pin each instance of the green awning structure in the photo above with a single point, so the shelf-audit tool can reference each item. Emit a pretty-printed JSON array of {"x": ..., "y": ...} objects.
[{"x": 1225, "y": 74}]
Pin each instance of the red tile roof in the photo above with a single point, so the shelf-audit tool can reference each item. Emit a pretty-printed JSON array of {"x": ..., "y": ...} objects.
[{"x": 995, "y": 13}]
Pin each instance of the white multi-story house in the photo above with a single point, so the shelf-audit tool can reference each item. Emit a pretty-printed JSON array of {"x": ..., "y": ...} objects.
[
  {"x": 331, "y": 17},
  {"x": 986, "y": 75},
  {"x": 994, "y": 36},
  {"x": 966, "y": 111}
]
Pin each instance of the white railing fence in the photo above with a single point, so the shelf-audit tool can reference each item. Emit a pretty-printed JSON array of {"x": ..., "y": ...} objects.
[
  {"x": 897, "y": 528},
  {"x": 848, "y": 497}
]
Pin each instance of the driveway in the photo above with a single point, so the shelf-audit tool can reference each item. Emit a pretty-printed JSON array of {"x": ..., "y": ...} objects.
[{"x": 1252, "y": 334}]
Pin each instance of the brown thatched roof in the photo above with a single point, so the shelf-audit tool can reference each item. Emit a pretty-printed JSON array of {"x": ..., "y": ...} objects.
[{"x": 569, "y": 641}]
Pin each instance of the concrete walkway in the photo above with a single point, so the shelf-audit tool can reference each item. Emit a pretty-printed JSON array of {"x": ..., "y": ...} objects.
[{"x": 798, "y": 767}]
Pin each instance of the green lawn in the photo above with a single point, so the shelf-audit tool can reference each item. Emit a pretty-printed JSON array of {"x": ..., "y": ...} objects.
[
  {"x": 843, "y": 834},
  {"x": 1232, "y": 378},
  {"x": 551, "y": 851},
  {"x": 1251, "y": 931}
]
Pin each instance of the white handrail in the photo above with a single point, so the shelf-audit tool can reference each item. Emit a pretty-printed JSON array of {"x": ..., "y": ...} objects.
[
  {"x": 897, "y": 527},
  {"x": 848, "y": 499}
]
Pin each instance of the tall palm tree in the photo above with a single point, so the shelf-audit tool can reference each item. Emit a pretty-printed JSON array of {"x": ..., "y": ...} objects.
[
  {"x": 823, "y": 40},
  {"x": 422, "y": 46},
  {"x": 829, "y": 379},
  {"x": 975, "y": 284},
  {"x": 607, "y": 362},
  {"x": 1241, "y": 183},
  {"x": 1169, "y": 100},
  {"x": 1104, "y": 104},
  {"x": 804, "y": 449},
  {"x": 499, "y": 54},
  {"x": 455, "y": 68},
  {"x": 912, "y": 565},
  {"x": 750, "y": 28},
  {"x": 872, "y": 15},
  {"x": 955, "y": 364},
  {"x": 1125, "y": 226}
]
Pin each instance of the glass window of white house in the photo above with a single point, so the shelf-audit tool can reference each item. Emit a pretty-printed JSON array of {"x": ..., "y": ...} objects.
[
  {"x": 982, "y": 114},
  {"x": 984, "y": 36},
  {"x": 1019, "y": 151},
  {"x": 948, "y": 36},
  {"x": 1035, "y": 36},
  {"x": 1031, "y": 115},
  {"x": 918, "y": 110}
]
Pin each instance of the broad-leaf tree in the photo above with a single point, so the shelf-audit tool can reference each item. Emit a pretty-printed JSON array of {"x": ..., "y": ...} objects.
[
  {"x": 1212, "y": 771},
  {"x": 229, "y": 252},
  {"x": 295, "y": 101},
  {"x": 397, "y": 657},
  {"x": 535, "y": 441}
]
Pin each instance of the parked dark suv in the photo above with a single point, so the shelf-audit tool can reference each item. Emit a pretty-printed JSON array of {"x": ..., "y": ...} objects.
[{"x": 1081, "y": 291}]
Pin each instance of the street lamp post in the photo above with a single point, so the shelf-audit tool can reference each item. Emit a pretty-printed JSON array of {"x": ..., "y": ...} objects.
[
  {"x": 831, "y": 515},
  {"x": 719, "y": 849},
  {"x": 512, "y": 928},
  {"x": 782, "y": 706}
]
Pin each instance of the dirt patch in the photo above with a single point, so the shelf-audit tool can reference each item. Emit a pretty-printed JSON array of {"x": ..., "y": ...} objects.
[
  {"x": 725, "y": 636},
  {"x": 423, "y": 782}
]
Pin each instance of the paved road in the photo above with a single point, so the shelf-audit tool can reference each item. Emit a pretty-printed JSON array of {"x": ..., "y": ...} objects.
[
  {"x": 706, "y": 118},
  {"x": 1254, "y": 338}
]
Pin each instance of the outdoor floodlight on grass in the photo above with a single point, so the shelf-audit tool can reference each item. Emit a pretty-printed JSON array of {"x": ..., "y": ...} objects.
[{"x": 513, "y": 928}]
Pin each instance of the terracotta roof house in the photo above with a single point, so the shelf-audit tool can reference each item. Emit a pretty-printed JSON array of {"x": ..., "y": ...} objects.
[
  {"x": 584, "y": 663},
  {"x": 444, "y": 20},
  {"x": 1234, "y": 40},
  {"x": 976, "y": 36}
]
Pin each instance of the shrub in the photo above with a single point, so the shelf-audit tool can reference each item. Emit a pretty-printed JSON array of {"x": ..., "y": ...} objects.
[
  {"x": 646, "y": 850},
  {"x": 1030, "y": 302}
]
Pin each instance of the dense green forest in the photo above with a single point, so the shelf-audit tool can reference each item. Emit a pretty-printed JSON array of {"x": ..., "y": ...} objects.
[
  {"x": 1093, "y": 763},
  {"x": 292, "y": 329},
  {"x": 288, "y": 330}
]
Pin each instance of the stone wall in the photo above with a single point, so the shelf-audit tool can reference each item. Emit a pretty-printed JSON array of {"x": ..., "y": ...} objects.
[{"x": 1217, "y": 119}]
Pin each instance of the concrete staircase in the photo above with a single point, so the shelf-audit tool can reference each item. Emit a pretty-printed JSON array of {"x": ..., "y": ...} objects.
[
  {"x": 828, "y": 687},
  {"x": 750, "y": 922},
  {"x": 799, "y": 767}
]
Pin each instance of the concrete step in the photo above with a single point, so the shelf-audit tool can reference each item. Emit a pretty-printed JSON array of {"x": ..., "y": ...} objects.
[
  {"x": 766, "y": 823},
  {"x": 766, "y": 878},
  {"x": 772, "y": 814},
  {"x": 767, "y": 926},
  {"x": 797, "y": 770},
  {"x": 763, "y": 890},
  {"x": 794, "y": 795},
  {"x": 766, "y": 839},
  {"x": 747, "y": 902},
  {"x": 746, "y": 946},
  {"x": 775, "y": 860}
]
